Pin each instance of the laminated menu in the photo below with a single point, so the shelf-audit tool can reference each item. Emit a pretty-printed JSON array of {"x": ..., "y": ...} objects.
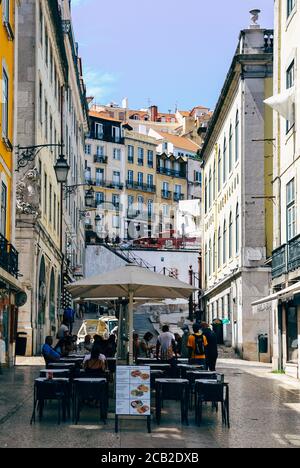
[{"x": 133, "y": 391}]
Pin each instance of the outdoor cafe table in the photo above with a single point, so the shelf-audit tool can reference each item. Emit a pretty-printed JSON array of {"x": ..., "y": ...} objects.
[
  {"x": 189, "y": 367},
  {"x": 43, "y": 391},
  {"x": 57, "y": 373},
  {"x": 62, "y": 365},
  {"x": 95, "y": 388}
]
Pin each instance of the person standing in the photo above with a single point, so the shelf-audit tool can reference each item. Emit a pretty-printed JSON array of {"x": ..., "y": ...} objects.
[
  {"x": 184, "y": 342},
  {"x": 197, "y": 344},
  {"x": 69, "y": 318},
  {"x": 211, "y": 351},
  {"x": 166, "y": 345},
  {"x": 63, "y": 329}
]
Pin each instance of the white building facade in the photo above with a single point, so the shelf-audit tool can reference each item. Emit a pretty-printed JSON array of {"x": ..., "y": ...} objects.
[
  {"x": 47, "y": 115},
  {"x": 284, "y": 298},
  {"x": 237, "y": 202}
]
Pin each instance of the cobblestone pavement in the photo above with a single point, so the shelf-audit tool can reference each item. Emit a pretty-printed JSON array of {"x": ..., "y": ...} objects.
[{"x": 265, "y": 412}]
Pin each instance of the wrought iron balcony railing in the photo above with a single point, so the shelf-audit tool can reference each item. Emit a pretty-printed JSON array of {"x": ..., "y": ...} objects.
[{"x": 9, "y": 257}]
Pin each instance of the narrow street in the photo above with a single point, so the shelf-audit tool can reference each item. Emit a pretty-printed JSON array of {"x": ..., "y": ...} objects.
[{"x": 264, "y": 409}]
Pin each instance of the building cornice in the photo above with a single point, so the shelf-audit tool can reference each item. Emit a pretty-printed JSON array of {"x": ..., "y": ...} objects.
[{"x": 234, "y": 75}]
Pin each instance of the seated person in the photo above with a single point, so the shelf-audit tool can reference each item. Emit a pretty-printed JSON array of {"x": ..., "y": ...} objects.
[
  {"x": 96, "y": 363},
  {"x": 146, "y": 348},
  {"x": 49, "y": 354},
  {"x": 65, "y": 346}
]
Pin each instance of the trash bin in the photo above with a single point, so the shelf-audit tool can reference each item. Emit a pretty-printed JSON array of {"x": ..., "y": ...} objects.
[
  {"x": 263, "y": 344},
  {"x": 21, "y": 344}
]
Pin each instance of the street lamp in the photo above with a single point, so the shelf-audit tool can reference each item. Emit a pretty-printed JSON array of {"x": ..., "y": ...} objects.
[
  {"x": 27, "y": 154},
  {"x": 61, "y": 169},
  {"x": 89, "y": 198}
]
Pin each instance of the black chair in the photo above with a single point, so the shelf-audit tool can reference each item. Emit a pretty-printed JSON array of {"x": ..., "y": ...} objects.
[
  {"x": 175, "y": 390},
  {"x": 51, "y": 390},
  {"x": 90, "y": 390},
  {"x": 156, "y": 374},
  {"x": 192, "y": 376},
  {"x": 215, "y": 393}
]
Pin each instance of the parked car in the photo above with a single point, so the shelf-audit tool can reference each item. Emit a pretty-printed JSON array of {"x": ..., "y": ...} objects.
[{"x": 102, "y": 326}]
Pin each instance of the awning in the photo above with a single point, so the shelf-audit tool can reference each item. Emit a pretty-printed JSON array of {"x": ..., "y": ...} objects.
[
  {"x": 283, "y": 103},
  {"x": 285, "y": 295}
]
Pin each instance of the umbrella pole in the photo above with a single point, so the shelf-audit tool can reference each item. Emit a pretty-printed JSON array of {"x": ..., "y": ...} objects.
[{"x": 130, "y": 320}]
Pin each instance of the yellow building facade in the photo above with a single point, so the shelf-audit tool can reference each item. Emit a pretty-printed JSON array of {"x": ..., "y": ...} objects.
[{"x": 7, "y": 82}]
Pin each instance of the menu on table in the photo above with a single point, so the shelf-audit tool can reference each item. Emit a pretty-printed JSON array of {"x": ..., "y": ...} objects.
[{"x": 133, "y": 391}]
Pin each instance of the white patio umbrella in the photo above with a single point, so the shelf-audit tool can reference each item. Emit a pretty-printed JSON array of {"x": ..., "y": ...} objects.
[{"x": 131, "y": 282}]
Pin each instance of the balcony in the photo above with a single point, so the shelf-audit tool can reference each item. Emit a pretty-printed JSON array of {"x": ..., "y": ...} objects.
[
  {"x": 293, "y": 260},
  {"x": 171, "y": 173},
  {"x": 100, "y": 159},
  {"x": 9, "y": 257},
  {"x": 140, "y": 187},
  {"x": 286, "y": 258},
  {"x": 105, "y": 183},
  {"x": 279, "y": 261},
  {"x": 166, "y": 194},
  {"x": 133, "y": 213},
  {"x": 178, "y": 197}
]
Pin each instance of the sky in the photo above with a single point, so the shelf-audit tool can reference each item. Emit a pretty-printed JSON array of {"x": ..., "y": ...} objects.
[{"x": 164, "y": 52}]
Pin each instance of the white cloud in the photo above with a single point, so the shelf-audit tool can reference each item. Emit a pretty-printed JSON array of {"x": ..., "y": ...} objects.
[{"x": 100, "y": 85}]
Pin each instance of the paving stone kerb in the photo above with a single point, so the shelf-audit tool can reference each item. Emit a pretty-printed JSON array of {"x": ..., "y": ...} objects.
[{"x": 264, "y": 413}]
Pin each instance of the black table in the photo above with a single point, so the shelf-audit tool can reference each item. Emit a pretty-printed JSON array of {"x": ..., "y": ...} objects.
[
  {"x": 55, "y": 389},
  {"x": 175, "y": 390},
  {"x": 57, "y": 373}
]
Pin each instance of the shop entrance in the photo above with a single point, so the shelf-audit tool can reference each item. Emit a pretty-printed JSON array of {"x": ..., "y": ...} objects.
[{"x": 292, "y": 335}]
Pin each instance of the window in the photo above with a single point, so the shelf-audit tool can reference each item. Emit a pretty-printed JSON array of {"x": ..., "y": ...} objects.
[
  {"x": 150, "y": 158},
  {"x": 209, "y": 259},
  {"x": 130, "y": 177},
  {"x": 116, "y": 200},
  {"x": 150, "y": 208},
  {"x": 99, "y": 177},
  {"x": 117, "y": 154},
  {"x": 87, "y": 149},
  {"x": 178, "y": 189},
  {"x": 237, "y": 136},
  {"x": 219, "y": 170},
  {"x": 224, "y": 161},
  {"x": 45, "y": 193},
  {"x": 116, "y": 178},
  {"x": 3, "y": 210},
  {"x": 230, "y": 235},
  {"x": 197, "y": 177},
  {"x": 290, "y": 82},
  {"x": 41, "y": 103},
  {"x": 210, "y": 189},
  {"x": 166, "y": 210},
  {"x": 140, "y": 179},
  {"x": 130, "y": 200},
  {"x": 141, "y": 156},
  {"x": 230, "y": 149},
  {"x": 214, "y": 255},
  {"x": 214, "y": 182},
  {"x": 224, "y": 243},
  {"x": 5, "y": 88},
  {"x": 205, "y": 195},
  {"x": 54, "y": 212},
  {"x": 41, "y": 25},
  {"x": 219, "y": 247},
  {"x": 237, "y": 229},
  {"x": 100, "y": 151},
  {"x": 46, "y": 119},
  {"x": 99, "y": 198},
  {"x": 46, "y": 47},
  {"x": 140, "y": 204},
  {"x": 99, "y": 133},
  {"x": 116, "y": 222},
  {"x": 50, "y": 203},
  {"x": 206, "y": 263},
  {"x": 290, "y": 6},
  {"x": 116, "y": 134},
  {"x": 150, "y": 180},
  {"x": 131, "y": 154},
  {"x": 291, "y": 210}
]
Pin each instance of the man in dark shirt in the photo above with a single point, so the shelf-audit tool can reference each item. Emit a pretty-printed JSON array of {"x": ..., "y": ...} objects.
[{"x": 211, "y": 350}]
